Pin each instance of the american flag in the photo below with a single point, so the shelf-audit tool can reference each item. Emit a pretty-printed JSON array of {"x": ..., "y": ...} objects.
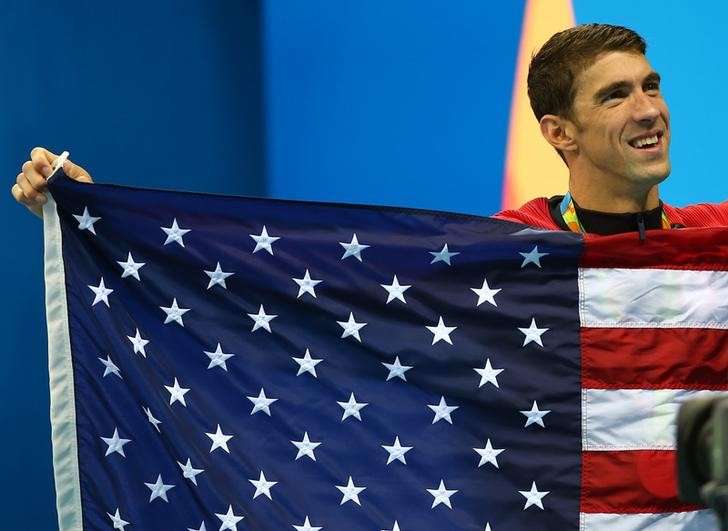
[{"x": 226, "y": 363}]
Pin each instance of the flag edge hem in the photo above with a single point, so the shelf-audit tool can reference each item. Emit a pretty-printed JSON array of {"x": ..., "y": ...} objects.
[{"x": 61, "y": 379}]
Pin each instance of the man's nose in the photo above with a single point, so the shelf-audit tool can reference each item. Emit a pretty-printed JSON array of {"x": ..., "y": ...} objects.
[{"x": 645, "y": 109}]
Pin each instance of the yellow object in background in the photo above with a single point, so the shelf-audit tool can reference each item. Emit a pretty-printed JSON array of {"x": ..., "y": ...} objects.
[{"x": 533, "y": 168}]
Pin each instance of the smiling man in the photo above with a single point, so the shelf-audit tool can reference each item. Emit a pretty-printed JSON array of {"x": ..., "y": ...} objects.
[{"x": 599, "y": 104}]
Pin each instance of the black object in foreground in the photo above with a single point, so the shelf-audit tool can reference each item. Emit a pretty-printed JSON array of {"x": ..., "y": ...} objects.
[{"x": 702, "y": 454}]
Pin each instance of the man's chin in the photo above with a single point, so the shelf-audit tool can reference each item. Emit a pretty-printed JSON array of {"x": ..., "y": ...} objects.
[
  {"x": 653, "y": 174},
  {"x": 663, "y": 173}
]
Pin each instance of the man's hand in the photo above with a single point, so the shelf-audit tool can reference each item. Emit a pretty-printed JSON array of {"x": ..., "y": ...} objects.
[{"x": 30, "y": 184}]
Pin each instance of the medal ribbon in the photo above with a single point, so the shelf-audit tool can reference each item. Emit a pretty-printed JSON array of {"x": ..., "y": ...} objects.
[{"x": 568, "y": 213}]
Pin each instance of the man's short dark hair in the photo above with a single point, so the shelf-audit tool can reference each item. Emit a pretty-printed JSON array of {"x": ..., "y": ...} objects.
[{"x": 565, "y": 55}]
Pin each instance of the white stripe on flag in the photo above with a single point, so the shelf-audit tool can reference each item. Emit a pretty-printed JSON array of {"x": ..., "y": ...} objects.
[
  {"x": 687, "y": 521},
  {"x": 649, "y": 298},
  {"x": 633, "y": 419}
]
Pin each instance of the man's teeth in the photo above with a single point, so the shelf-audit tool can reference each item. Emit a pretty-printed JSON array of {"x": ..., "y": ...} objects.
[{"x": 646, "y": 141}]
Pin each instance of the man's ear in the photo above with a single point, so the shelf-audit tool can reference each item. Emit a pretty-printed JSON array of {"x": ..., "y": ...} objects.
[{"x": 558, "y": 132}]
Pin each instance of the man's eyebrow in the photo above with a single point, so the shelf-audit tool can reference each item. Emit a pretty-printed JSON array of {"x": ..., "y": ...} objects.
[{"x": 652, "y": 77}]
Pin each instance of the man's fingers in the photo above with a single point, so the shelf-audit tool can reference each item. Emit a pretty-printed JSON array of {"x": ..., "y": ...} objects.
[
  {"x": 41, "y": 151},
  {"x": 36, "y": 180},
  {"x": 19, "y": 196},
  {"x": 31, "y": 195},
  {"x": 31, "y": 183},
  {"x": 42, "y": 160}
]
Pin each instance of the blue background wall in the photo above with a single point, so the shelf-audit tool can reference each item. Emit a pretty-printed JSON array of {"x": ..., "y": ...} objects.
[
  {"x": 391, "y": 103},
  {"x": 403, "y": 103}
]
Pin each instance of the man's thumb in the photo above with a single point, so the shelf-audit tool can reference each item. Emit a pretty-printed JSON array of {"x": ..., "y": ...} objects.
[{"x": 76, "y": 172}]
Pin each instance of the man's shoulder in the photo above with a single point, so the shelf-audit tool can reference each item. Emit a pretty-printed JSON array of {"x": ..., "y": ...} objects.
[
  {"x": 699, "y": 215},
  {"x": 536, "y": 213}
]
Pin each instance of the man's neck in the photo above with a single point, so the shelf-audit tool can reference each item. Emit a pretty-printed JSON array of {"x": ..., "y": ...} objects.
[{"x": 603, "y": 199}]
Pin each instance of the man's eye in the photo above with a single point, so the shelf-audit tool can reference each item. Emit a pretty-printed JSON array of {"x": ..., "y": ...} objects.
[
  {"x": 615, "y": 95},
  {"x": 653, "y": 86}
]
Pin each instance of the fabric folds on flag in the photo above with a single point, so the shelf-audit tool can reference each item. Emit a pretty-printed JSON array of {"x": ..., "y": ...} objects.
[{"x": 250, "y": 364}]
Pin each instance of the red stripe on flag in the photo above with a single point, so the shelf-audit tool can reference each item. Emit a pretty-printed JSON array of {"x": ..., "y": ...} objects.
[
  {"x": 654, "y": 358},
  {"x": 636, "y": 481},
  {"x": 698, "y": 249}
]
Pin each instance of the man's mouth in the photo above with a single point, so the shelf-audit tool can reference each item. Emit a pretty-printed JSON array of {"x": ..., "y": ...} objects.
[{"x": 649, "y": 142}]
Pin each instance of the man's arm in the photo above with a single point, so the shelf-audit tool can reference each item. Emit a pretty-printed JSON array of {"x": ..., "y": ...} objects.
[{"x": 30, "y": 184}]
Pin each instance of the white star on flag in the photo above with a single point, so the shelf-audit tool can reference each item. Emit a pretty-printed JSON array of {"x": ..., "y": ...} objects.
[
  {"x": 110, "y": 367},
  {"x": 532, "y": 257},
  {"x": 350, "y": 492},
  {"x": 533, "y": 333},
  {"x": 443, "y": 256},
  {"x": 201, "y": 528},
  {"x": 441, "y": 495},
  {"x": 352, "y": 408},
  {"x": 353, "y": 248},
  {"x": 305, "y": 447},
  {"x": 262, "y": 486},
  {"x": 488, "y": 454},
  {"x": 396, "y": 369},
  {"x": 153, "y": 421},
  {"x": 86, "y": 221},
  {"x": 174, "y": 313},
  {"x": 138, "y": 343},
  {"x": 117, "y": 521},
  {"x": 533, "y": 496},
  {"x": 306, "y": 526},
  {"x": 217, "y": 276},
  {"x": 115, "y": 443},
  {"x": 174, "y": 233},
  {"x": 159, "y": 489},
  {"x": 219, "y": 440},
  {"x": 189, "y": 472},
  {"x": 131, "y": 268},
  {"x": 229, "y": 521},
  {"x": 218, "y": 358},
  {"x": 264, "y": 241},
  {"x": 395, "y": 290},
  {"x": 488, "y": 374},
  {"x": 351, "y": 327},
  {"x": 395, "y": 527},
  {"x": 307, "y": 364},
  {"x": 485, "y": 294},
  {"x": 261, "y": 319},
  {"x": 306, "y": 284},
  {"x": 397, "y": 451},
  {"x": 261, "y": 402},
  {"x": 442, "y": 410},
  {"x": 176, "y": 393},
  {"x": 101, "y": 293},
  {"x": 535, "y": 416},
  {"x": 441, "y": 332}
]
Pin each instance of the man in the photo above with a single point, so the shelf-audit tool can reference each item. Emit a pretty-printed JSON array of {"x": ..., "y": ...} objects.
[{"x": 598, "y": 103}]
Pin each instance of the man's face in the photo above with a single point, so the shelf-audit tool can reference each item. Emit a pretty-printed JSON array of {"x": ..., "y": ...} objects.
[{"x": 618, "y": 107}]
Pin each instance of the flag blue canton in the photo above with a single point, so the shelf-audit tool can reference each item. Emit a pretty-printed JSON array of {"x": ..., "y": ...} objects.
[{"x": 259, "y": 364}]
